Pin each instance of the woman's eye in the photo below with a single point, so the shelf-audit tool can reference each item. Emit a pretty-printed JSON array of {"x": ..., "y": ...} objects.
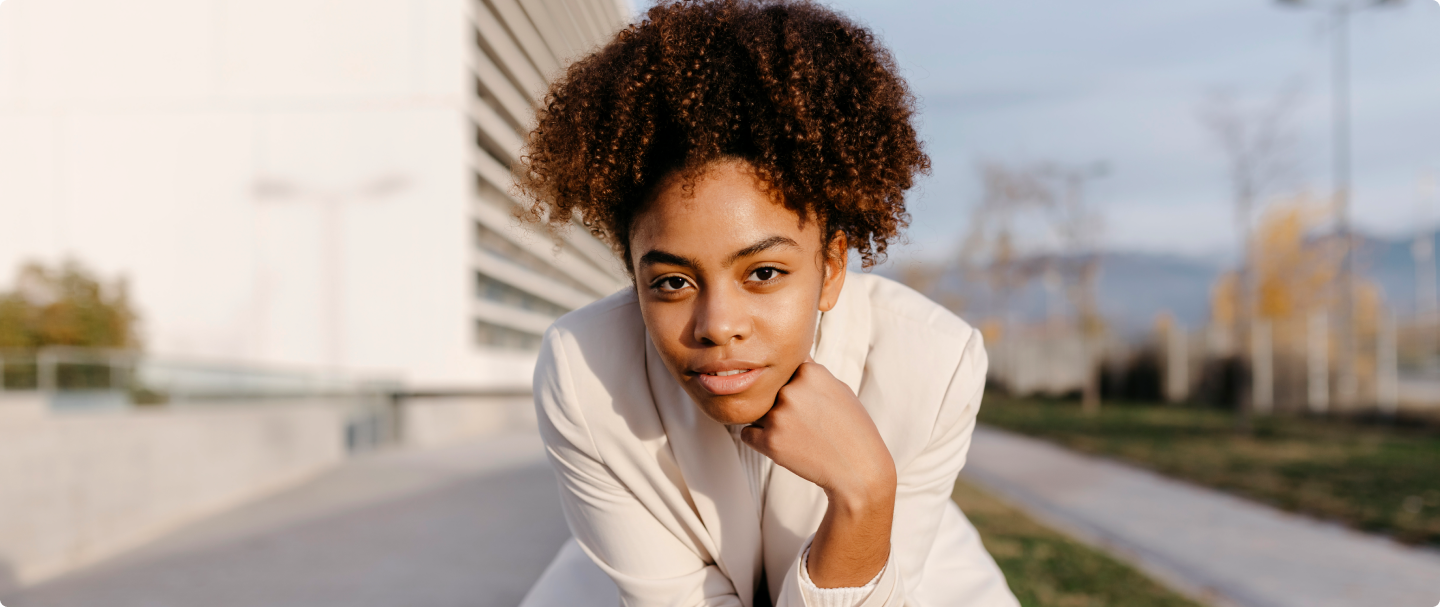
[
  {"x": 765, "y": 274},
  {"x": 671, "y": 283}
]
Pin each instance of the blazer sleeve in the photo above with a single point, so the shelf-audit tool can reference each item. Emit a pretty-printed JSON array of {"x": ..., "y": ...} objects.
[
  {"x": 927, "y": 483},
  {"x": 924, "y": 488},
  {"x": 650, "y": 565}
]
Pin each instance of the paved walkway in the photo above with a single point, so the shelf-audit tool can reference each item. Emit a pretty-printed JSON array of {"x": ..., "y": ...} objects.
[
  {"x": 1228, "y": 550},
  {"x": 470, "y": 525}
]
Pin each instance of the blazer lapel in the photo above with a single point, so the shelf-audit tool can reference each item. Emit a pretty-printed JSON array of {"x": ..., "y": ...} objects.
[{"x": 713, "y": 476}]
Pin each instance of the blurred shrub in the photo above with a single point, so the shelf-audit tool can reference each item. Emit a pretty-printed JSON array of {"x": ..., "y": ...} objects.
[
  {"x": 1137, "y": 377},
  {"x": 66, "y": 306},
  {"x": 1221, "y": 381}
]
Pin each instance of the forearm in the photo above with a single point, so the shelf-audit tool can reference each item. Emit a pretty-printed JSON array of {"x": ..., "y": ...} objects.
[
  {"x": 819, "y": 430},
  {"x": 852, "y": 543}
]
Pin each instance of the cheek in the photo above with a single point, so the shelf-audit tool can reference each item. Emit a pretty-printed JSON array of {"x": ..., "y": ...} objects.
[
  {"x": 667, "y": 325},
  {"x": 789, "y": 326}
]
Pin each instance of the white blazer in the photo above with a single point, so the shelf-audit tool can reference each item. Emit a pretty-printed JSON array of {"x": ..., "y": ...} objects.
[{"x": 654, "y": 491}]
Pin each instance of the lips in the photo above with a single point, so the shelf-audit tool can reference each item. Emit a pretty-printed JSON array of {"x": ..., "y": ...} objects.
[{"x": 728, "y": 378}]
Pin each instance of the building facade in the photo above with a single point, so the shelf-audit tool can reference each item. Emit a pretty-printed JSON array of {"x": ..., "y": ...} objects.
[{"x": 302, "y": 183}]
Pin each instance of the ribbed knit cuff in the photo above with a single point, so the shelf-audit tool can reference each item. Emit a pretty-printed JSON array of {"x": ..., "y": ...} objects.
[{"x": 832, "y": 597}]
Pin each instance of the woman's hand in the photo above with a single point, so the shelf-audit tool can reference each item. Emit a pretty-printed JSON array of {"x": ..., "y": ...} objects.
[{"x": 819, "y": 430}]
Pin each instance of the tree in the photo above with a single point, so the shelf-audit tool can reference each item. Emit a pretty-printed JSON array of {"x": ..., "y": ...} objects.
[
  {"x": 66, "y": 306},
  {"x": 1297, "y": 274},
  {"x": 1259, "y": 148},
  {"x": 1033, "y": 220},
  {"x": 995, "y": 250}
]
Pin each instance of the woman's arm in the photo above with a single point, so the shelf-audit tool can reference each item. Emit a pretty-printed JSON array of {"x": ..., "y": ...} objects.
[
  {"x": 927, "y": 481},
  {"x": 819, "y": 430}
]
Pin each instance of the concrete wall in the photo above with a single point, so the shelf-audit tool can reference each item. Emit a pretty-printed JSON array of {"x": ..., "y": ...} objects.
[
  {"x": 430, "y": 422},
  {"x": 1046, "y": 365},
  {"x": 75, "y": 488}
]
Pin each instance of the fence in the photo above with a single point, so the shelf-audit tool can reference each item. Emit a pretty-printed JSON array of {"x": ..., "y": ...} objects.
[{"x": 1283, "y": 366}]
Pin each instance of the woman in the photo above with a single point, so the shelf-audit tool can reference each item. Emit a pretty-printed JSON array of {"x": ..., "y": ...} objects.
[{"x": 750, "y": 425}]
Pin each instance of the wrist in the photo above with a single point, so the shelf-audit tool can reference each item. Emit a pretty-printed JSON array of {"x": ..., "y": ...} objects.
[
  {"x": 852, "y": 543},
  {"x": 865, "y": 494}
]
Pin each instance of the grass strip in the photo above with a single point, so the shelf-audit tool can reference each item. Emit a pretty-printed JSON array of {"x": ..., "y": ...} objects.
[
  {"x": 1373, "y": 477},
  {"x": 1047, "y": 569}
]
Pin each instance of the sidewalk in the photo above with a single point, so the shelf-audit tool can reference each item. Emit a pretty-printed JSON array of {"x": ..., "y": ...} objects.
[
  {"x": 473, "y": 524},
  {"x": 1219, "y": 548}
]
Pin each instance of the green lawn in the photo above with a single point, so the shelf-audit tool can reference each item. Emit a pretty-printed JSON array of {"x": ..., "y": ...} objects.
[
  {"x": 1373, "y": 477},
  {"x": 1046, "y": 569}
]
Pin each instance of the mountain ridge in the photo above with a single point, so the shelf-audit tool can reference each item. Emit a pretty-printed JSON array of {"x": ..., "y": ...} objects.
[{"x": 1136, "y": 286}]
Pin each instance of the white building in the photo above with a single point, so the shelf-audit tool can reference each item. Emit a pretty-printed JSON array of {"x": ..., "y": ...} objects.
[{"x": 299, "y": 182}]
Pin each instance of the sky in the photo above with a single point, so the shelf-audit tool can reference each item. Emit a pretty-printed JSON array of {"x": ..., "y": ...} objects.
[{"x": 1122, "y": 82}]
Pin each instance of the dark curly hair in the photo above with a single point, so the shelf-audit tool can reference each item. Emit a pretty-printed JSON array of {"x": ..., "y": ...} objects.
[{"x": 810, "y": 100}]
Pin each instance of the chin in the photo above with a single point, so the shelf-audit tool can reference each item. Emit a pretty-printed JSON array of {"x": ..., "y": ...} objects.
[{"x": 732, "y": 410}]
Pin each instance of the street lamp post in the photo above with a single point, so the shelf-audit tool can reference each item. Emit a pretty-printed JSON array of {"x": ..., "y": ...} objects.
[
  {"x": 1427, "y": 308},
  {"x": 1346, "y": 388}
]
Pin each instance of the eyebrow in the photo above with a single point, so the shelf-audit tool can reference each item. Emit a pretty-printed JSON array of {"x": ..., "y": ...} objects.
[
  {"x": 655, "y": 257},
  {"x": 768, "y": 243},
  {"x": 661, "y": 257}
]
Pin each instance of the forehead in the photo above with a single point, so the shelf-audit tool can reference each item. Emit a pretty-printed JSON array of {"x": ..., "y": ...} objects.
[{"x": 723, "y": 210}]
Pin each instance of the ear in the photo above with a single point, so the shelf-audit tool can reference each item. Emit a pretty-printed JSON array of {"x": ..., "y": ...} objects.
[{"x": 836, "y": 260}]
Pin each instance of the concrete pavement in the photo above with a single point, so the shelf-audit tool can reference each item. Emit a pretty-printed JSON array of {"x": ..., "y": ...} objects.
[
  {"x": 475, "y": 525},
  {"x": 1222, "y": 549},
  {"x": 468, "y": 525}
]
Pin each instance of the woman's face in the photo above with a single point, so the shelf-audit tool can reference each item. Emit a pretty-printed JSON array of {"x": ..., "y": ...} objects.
[{"x": 730, "y": 285}]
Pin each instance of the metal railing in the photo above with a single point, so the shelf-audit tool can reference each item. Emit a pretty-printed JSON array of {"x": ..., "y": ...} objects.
[
  {"x": 64, "y": 368},
  {"x": 84, "y": 379}
]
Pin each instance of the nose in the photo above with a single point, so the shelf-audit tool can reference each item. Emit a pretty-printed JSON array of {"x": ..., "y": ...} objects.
[{"x": 721, "y": 317}]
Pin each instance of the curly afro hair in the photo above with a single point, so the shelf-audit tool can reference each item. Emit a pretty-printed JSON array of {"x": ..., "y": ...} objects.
[{"x": 810, "y": 100}]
